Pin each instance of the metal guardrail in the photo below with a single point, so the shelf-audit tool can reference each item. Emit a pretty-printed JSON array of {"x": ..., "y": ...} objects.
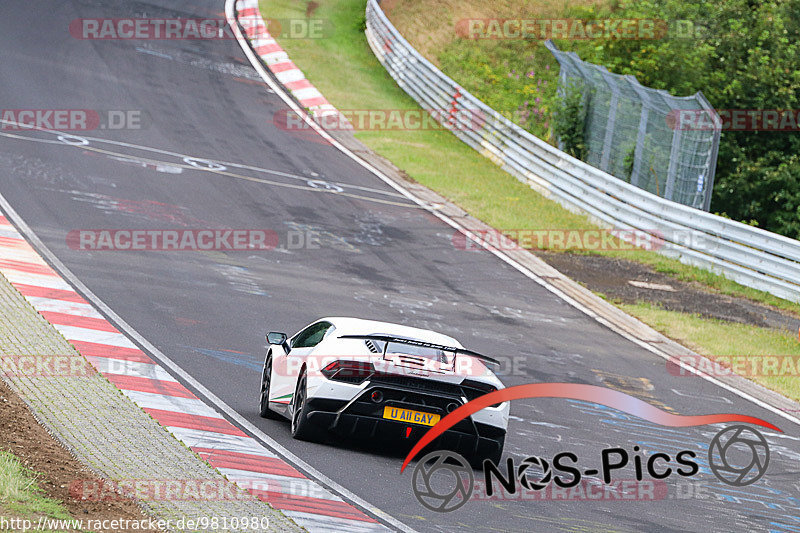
[{"x": 750, "y": 256}]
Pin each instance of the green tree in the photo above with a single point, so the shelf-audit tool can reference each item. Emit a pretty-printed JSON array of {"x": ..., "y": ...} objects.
[{"x": 569, "y": 120}]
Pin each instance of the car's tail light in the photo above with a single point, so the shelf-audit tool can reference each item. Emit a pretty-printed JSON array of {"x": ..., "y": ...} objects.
[
  {"x": 348, "y": 371},
  {"x": 474, "y": 389}
]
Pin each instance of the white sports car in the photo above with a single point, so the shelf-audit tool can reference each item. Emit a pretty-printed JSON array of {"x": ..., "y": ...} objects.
[{"x": 359, "y": 377}]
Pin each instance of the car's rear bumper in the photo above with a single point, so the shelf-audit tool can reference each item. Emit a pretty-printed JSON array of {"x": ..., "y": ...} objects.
[{"x": 363, "y": 418}]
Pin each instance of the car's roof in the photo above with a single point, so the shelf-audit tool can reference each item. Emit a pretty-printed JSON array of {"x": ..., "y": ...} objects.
[{"x": 360, "y": 326}]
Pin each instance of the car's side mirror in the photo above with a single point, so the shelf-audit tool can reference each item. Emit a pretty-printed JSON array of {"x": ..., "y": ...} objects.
[
  {"x": 273, "y": 337},
  {"x": 281, "y": 339}
]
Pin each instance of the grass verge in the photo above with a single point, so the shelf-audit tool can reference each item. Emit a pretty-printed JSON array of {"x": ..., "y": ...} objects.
[
  {"x": 737, "y": 346},
  {"x": 21, "y": 497}
]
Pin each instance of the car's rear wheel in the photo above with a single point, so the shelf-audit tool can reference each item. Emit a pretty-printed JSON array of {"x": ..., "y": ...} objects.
[
  {"x": 263, "y": 405},
  {"x": 302, "y": 427}
]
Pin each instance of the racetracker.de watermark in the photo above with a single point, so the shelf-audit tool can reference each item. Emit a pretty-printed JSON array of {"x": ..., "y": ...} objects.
[
  {"x": 588, "y": 490},
  {"x": 558, "y": 239},
  {"x": 156, "y": 490},
  {"x": 172, "y": 239},
  {"x": 45, "y": 366},
  {"x": 158, "y": 29},
  {"x": 72, "y": 119},
  {"x": 594, "y": 490},
  {"x": 776, "y": 120},
  {"x": 201, "y": 523},
  {"x": 361, "y": 366},
  {"x": 385, "y": 120},
  {"x": 735, "y": 365},
  {"x": 200, "y": 489},
  {"x": 578, "y": 29}
]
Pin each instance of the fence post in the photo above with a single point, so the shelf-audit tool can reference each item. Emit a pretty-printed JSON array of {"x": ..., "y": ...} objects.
[
  {"x": 612, "y": 119},
  {"x": 641, "y": 134},
  {"x": 672, "y": 170},
  {"x": 712, "y": 156}
]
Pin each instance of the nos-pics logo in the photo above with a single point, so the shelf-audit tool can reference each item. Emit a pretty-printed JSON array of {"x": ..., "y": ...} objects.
[{"x": 443, "y": 480}]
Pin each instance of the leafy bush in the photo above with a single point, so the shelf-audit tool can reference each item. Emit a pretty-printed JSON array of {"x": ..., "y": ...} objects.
[
  {"x": 569, "y": 120},
  {"x": 517, "y": 78}
]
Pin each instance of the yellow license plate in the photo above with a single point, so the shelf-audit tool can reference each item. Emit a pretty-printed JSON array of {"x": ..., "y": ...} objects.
[{"x": 407, "y": 415}]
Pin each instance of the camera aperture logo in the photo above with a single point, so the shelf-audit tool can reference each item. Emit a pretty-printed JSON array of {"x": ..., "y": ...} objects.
[
  {"x": 443, "y": 481},
  {"x": 738, "y": 456}
]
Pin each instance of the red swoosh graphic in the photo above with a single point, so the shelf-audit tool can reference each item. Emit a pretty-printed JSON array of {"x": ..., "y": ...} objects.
[{"x": 574, "y": 391}]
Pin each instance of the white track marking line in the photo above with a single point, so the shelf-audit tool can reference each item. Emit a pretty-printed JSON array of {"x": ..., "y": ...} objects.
[
  {"x": 223, "y": 172},
  {"x": 135, "y": 369},
  {"x": 111, "y": 338},
  {"x": 284, "y": 484},
  {"x": 196, "y": 438},
  {"x": 308, "y": 92},
  {"x": 331, "y": 524},
  {"x": 21, "y": 254},
  {"x": 176, "y": 404},
  {"x": 288, "y": 76},
  {"x": 8, "y": 232},
  {"x": 38, "y": 280},
  {"x": 62, "y": 306}
]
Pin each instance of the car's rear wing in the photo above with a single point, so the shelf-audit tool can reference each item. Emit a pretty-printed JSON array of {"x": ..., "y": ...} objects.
[{"x": 413, "y": 342}]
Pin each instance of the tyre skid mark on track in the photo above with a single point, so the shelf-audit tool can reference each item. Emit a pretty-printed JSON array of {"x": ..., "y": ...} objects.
[{"x": 191, "y": 420}]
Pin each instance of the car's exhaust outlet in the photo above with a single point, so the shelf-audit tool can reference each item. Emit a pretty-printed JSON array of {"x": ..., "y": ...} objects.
[{"x": 377, "y": 396}]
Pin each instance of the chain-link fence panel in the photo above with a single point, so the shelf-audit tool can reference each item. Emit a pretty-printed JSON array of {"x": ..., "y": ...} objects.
[{"x": 639, "y": 134}]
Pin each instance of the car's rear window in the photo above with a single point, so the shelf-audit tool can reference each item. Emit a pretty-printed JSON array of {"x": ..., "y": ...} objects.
[{"x": 395, "y": 348}]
